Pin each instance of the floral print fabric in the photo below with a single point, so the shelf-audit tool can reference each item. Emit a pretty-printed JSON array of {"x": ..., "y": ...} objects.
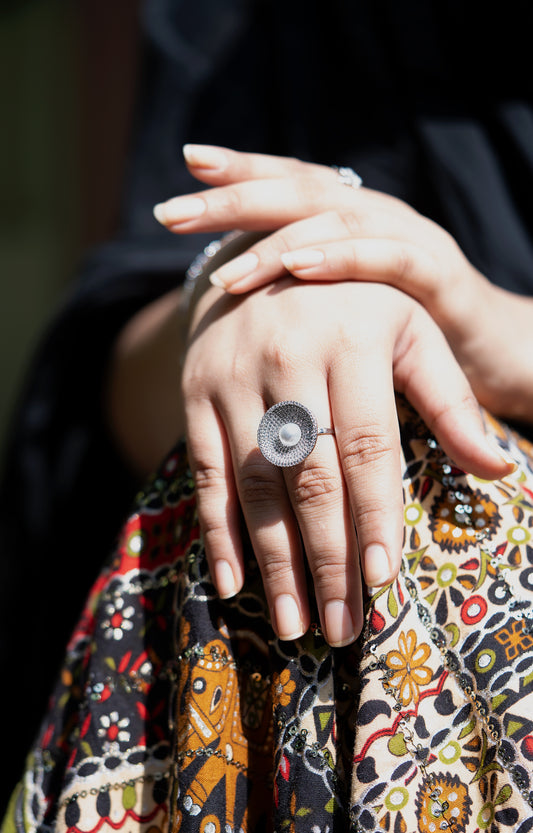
[{"x": 176, "y": 711}]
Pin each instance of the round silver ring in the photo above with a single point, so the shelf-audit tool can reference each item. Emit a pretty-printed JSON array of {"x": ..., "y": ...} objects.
[
  {"x": 287, "y": 433},
  {"x": 347, "y": 176}
]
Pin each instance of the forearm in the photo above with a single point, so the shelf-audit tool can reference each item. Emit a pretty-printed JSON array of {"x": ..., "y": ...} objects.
[{"x": 142, "y": 395}]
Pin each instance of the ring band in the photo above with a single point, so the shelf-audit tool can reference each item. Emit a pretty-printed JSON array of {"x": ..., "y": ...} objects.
[
  {"x": 347, "y": 176},
  {"x": 287, "y": 433}
]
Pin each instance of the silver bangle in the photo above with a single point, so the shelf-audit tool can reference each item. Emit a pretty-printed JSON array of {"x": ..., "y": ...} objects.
[{"x": 214, "y": 255}]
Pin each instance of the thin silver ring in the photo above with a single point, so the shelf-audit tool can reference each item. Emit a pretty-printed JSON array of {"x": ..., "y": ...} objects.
[
  {"x": 347, "y": 176},
  {"x": 288, "y": 432}
]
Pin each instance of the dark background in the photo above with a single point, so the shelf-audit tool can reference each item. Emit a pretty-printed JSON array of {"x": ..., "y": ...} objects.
[{"x": 66, "y": 90}]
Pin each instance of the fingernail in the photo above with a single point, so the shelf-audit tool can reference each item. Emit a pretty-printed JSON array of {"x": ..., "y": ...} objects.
[
  {"x": 302, "y": 259},
  {"x": 205, "y": 156},
  {"x": 215, "y": 280},
  {"x": 377, "y": 568},
  {"x": 159, "y": 213},
  {"x": 235, "y": 270},
  {"x": 339, "y": 625},
  {"x": 180, "y": 209},
  {"x": 288, "y": 620},
  {"x": 224, "y": 579},
  {"x": 511, "y": 464}
]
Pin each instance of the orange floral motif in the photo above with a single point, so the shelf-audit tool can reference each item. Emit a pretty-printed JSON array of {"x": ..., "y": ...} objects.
[
  {"x": 514, "y": 640},
  {"x": 454, "y": 522},
  {"x": 283, "y": 687},
  {"x": 410, "y": 673},
  {"x": 445, "y": 791}
]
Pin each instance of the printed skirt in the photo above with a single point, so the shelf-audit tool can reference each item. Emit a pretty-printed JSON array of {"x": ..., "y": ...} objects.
[{"x": 176, "y": 711}]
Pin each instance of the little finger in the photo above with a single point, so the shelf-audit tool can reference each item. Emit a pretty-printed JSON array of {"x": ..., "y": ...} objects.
[
  {"x": 398, "y": 263},
  {"x": 431, "y": 378}
]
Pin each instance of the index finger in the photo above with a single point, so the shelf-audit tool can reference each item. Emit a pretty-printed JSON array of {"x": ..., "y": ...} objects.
[{"x": 216, "y": 165}]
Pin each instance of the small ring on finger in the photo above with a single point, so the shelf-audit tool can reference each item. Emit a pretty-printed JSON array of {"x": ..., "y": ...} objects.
[
  {"x": 347, "y": 176},
  {"x": 288, "y": 432}
]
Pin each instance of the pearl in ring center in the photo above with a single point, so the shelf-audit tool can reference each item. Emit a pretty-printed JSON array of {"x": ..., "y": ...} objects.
[{"x": 290, "y": 434}]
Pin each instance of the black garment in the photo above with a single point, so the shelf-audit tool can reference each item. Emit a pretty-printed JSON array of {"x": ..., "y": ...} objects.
[{"x": 430, "y": 102}]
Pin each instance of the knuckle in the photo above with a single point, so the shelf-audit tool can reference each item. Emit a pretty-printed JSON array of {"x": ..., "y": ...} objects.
[
  {"x": 467, "y": 402},
  {"x": 214, "y": 531},
  {"x": 314, "y": 486},
  {"x": 329, "y": 575},
  {"x": 370, "y": 515},
  {"x": 192, "y": 382},
  {"x": 366, "y": 447},
  {"x": 409, "y": 268},
  {"x": 255, "y": 488},
  {"x": 229, "y": 201},
  {"x": 281, "y": 359},
  {"x": 276, "y": 570},
  {"x": 351, "y": 221},
  {"x": 208, "y": 478},
  {"x": 348, "y": 262},
  {"x": 282, "y": 241},
  {"x": 403, "y": 263}
]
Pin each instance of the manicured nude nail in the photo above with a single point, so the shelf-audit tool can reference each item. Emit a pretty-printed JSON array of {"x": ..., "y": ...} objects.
[
  {"x": 180, "y": 210},
  {"x": 159, "y": 213},
  {"x": 224, "y": 579},
  {"x": 511, "y": 464},
  {"x": 205, "y": 156},
  {"x": 288, "y": 621},
  {"x": 339, "y": 625},
  {"x": 215, "y": 280},
  {"x": 235, "y": 270},
  {"x": 302, "y": 259},
  {"x": 377, "y": 568}
]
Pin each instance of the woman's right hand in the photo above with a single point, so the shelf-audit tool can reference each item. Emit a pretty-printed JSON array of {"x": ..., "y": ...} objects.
[{"x": 341, "y": 349}]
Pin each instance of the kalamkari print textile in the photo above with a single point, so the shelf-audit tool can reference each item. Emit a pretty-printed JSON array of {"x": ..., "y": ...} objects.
[{"x": 176, "y": 711}]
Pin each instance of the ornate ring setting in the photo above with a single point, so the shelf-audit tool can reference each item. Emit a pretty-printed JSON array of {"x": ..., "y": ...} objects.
[
  {"x": 287, "y": 433},
  {"x": 347, "y": 176}
]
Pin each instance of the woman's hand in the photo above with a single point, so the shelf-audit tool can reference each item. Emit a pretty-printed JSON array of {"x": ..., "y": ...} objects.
[
  {"x": 325, "y": 231},
  {"x": 341, "y": 349}
]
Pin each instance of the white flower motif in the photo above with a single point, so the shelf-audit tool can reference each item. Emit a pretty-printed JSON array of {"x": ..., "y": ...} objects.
[
  {"x": 118, "y": 620},
  {"x": 113, "y": 728}
]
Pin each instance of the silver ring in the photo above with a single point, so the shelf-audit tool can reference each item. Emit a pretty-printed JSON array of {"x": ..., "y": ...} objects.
[
  {"x": 287, "y": 433},
  {"x": 347, "y": 176}
]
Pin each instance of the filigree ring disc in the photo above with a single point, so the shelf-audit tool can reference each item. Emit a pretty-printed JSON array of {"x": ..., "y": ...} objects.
[{"x": 287, "y": 433}]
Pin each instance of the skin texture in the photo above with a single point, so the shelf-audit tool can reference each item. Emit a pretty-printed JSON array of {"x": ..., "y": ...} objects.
[
  {"x": 341, "y": 341},
  {"x": 357, "y": 343},
  {"x": 363, "y": 235}
]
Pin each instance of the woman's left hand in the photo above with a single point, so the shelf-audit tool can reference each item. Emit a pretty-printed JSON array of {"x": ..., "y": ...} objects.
[{"x": 322, "y": 230}]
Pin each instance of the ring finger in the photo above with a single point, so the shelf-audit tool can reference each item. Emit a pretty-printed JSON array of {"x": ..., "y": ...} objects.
[{"x": 319, "y": 502}]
